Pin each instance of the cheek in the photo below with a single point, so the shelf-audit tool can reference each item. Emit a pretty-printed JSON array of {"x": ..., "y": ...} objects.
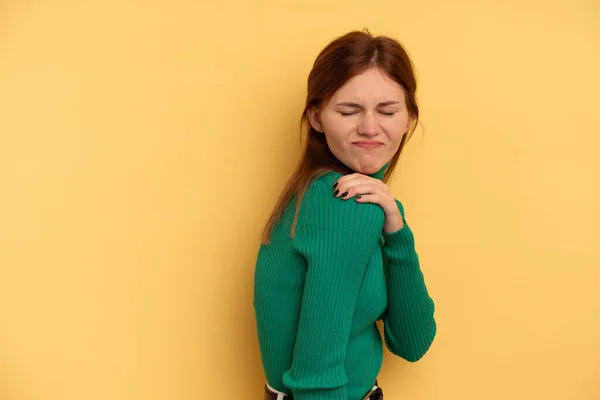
[
  {"x": 338, "y": 128},
  {"x": 399, "y": 128},
  {"x": 393, "y": 130}
]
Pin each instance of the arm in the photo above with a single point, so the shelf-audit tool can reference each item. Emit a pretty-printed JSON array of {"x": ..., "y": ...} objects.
[
  {"x": 409, "y": 324},
  {"x": 337, "y": 238}
]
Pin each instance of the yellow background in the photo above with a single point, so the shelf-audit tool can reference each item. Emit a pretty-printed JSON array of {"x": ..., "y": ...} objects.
[{"x": 144, "y": 143}]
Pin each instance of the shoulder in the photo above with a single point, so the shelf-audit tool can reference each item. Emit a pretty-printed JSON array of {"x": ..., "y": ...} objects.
[
  {"x": 321, "y": 208},
  {"x": 400, "y": 207}
]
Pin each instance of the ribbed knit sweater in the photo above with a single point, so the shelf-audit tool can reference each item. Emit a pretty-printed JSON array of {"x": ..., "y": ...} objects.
[{"x": 317, "y": 296}]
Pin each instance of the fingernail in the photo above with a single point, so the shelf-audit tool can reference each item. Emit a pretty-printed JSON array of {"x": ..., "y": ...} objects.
[
  {"x": 357, "y": 197},
  {"x": 335, "y": 185},
  {"x": 345, "y": 194},
  {"x": 336, "y": 192}
]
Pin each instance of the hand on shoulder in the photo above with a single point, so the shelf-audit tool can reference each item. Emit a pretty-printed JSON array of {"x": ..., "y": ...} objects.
[{"x": 364, "y": 189}]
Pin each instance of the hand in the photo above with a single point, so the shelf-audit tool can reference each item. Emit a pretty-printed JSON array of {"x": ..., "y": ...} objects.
[{"x": 365, "y": 189}]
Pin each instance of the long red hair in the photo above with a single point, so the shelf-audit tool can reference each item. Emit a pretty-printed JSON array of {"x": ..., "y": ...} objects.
[{"x": 341, "y": 60}]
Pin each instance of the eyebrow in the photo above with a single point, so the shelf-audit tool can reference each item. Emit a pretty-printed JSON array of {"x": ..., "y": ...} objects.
[{"x": 356, "y": 105}]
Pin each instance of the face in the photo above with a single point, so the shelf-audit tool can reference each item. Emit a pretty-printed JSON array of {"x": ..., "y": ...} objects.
[{"x": 364, "y": 121}]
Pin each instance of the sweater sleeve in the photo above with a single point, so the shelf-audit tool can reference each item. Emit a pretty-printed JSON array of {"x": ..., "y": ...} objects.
[
  {"x": 337, "y": 239},
  {"x": 409, "y": 324}
]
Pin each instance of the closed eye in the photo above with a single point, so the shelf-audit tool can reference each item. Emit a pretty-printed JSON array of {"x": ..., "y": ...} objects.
[{"x": 387, "y": 114}]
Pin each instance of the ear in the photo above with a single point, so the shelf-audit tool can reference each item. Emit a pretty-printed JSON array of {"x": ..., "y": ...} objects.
[
  {"x": 411, "y": 119},
  {"x": 315, "y": 119}
]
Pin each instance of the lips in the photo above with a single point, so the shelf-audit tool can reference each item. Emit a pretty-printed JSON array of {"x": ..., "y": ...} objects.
[{"x": 368, "y": 145}]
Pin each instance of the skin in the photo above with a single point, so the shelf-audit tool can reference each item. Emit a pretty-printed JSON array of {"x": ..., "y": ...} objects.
[{"x": 369, "y": 109}]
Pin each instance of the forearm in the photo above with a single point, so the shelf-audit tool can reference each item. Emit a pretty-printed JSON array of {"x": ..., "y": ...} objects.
[{"x": 409, "y": 322}]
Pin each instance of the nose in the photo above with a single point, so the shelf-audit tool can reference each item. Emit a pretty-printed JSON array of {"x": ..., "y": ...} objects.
[{"x": 367, "y": 125}]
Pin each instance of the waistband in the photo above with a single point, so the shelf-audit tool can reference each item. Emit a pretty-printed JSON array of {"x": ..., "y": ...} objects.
[{"x": 376, "y": 393}]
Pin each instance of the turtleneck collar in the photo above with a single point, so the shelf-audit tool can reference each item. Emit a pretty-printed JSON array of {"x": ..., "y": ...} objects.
[{"x": 379, "y": 174}]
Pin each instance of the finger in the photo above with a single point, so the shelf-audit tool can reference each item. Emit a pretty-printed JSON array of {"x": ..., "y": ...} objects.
[
  {"x": 374, "y": 198},
  {"x": 347, "y": 178},
  {"x": 361, "y": 188},
  {"x": 343, "y": 186},
  {"x": 359, "y": 181}
]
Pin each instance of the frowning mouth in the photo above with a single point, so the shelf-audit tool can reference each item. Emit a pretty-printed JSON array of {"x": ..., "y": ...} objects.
[{"x": 368, "y": 145}]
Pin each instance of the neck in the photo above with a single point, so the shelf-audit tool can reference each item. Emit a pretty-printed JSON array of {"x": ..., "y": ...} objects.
[{"x": 379, "y": 174}]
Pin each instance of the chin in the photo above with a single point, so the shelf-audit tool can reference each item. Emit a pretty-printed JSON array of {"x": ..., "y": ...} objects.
[{"x": 368, "y": 169}]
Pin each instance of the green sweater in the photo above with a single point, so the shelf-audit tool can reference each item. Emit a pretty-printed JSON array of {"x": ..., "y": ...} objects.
[{"x": 317, "y": 297}]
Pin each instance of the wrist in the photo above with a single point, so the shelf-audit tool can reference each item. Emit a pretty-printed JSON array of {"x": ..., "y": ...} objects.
[{"x": 393, "y": 224}]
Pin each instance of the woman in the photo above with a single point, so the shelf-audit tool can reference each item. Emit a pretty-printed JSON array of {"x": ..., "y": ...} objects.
[{"x": 320, "y": 285}]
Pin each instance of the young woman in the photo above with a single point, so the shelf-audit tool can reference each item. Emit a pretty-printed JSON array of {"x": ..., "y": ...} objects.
[{"x": 337, "y": 253}]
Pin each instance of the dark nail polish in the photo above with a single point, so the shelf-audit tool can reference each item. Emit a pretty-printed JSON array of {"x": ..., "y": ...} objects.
[
  {"x": 335, "y": 185},
  {"x": 357, "y": 197},
  {"x": 345, "y": 194},
  {"x": 336, "y": 192}
]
